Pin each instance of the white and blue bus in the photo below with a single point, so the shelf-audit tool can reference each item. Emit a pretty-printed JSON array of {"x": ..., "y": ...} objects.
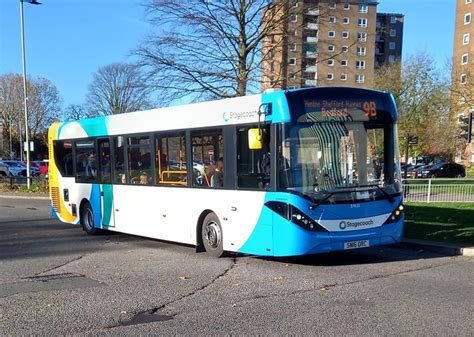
[{"x": 281, "y": 173}]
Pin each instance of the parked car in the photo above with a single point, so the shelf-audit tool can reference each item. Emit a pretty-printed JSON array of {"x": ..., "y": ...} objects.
[
  {"x": 4, "y": 171},
  {"x": 444, "y": 170},
  {"x": 43, "y": 166},
  {"x": 14, "y": 167},
  {"x": 411, "y": 171}
]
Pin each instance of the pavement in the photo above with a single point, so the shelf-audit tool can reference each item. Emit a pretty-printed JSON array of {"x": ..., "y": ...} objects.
[{"x": 450, "y": 249}]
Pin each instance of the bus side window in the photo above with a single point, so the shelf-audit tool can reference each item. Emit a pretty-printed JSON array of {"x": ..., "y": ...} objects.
[
  {"x": 119, "y": 160},
  {"x": 63, "y": 157},
  {"x": 208, "y": 167},
  {"x": 86, "y": 161},
  {"x": 170, "y": 159},
  {"x": 253, "y": 166},
  {"x": 139, "y": 160}
]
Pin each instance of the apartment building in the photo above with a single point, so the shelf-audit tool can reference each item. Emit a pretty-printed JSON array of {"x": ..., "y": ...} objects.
[
  {"x": 463, "y": 69},
  {"x": 388, "y": 38},
  {"x": 329, "y": 43}
]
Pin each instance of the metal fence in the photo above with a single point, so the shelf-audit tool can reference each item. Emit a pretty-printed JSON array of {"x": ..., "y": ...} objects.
[{"x": 438, "y": 190}]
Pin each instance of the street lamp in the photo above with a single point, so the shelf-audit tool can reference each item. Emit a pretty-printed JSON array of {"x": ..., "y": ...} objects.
[{"x": 25, "y": 93}]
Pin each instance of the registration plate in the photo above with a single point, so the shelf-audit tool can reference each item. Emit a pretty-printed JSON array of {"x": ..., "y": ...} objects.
[{"x": 356, "y": 244}]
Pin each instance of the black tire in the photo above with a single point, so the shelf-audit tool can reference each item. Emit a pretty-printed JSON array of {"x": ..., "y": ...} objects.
[
  {"x": 211, "y": 235},
  {"x": 87, "y": 220}
]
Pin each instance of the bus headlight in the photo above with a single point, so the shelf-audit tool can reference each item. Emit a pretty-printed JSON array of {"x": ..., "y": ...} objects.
[
  {"x": 396, "y": 215},
  {"x": 296, "y": 216}
]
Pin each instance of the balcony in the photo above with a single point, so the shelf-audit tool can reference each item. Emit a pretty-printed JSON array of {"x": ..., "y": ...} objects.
[
  {"x": 312, "y": 26},
  {"x": 311, "y": 39},
  {"x": 311, "y": 69},
  {"x": 311, "y": 54},
  {"x": 311, "y": 82}
]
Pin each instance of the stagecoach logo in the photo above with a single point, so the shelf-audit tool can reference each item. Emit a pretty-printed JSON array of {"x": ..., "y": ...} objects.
[
  {"x": 237, "y": 116},
  {"x": 225, "y": 116},
  {"x": 354, "y": 225}
]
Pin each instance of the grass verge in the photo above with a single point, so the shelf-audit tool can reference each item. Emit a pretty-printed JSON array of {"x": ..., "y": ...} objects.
[
  {"x": 38, "y": 186},
  {"x": 444, "y": 222}
]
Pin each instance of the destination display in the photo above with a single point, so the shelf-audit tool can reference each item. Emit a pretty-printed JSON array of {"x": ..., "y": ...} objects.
[{"x": 338, "y": 110}]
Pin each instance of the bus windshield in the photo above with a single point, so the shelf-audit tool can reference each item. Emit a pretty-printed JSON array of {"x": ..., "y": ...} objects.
[{"x": 340, "y": 161}]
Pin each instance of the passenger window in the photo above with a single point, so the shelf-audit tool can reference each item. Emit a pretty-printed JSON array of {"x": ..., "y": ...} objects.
[
  {"x": 139, "y": 160},
  {"x": 86, "y": 161},
  {"x": 104, "y": 161},
  {"x": 170, "y": 159},
  {"x": 119, "y": 160},
  {"x": 63, "y": 157},
  {"x": 253, "y": 166},
  {"x": 208, "y": 164}
]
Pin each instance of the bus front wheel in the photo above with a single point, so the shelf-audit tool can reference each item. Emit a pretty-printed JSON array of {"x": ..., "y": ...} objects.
[
  {"x": 87, "y": 219},
  {"x": 212, "y": 235}
]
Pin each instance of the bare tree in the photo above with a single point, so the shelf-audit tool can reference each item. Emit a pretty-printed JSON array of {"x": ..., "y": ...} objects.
[
  {"x": 208, "y": 48},
  {"x": 43, "y": 107},
  {"x": 75, "y": 112},
  {"x": 118, "y": 88}
]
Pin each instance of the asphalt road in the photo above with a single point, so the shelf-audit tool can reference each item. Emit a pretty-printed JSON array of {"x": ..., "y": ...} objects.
[{"x": 55, "y": 280}]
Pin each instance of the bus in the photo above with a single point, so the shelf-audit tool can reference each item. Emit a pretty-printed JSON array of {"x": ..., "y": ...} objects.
[{"x": 299, "y": 172}]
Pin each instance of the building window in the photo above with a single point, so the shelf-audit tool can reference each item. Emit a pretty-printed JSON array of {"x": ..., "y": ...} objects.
[
  {"x": 295, "y": 33},
  {"x": 343, "y": 77},
  {"x": 363, "y": 8},
  {"x": 362, "y": 36},
  {"x": 360, "y": 64},
  {"x": 361, "y": 51},
  {"x": 330, "y": 62},
  {"x": 468, "y": 2},
  {"x": 345, "y": 49},
  {"x": 347, "y": 6},
  {"x": 362, "y": 22},
  {"x": 294, "y": 18},
  {"x": 292, "y": 76},
  {"x": 331, "y": 48},
  {"x": 360, "y": 78},
  {"x": 463, "y": 79},
  {"x": 332, "y": 19},
  {"x": 345, "y": 20},
  {"x": 330, "y": 76},
  {"x": 465, "y": 58},
  {"x": 332, "y": 5},
  {"x": 393, "y": 19},
  {"x": 467, "y": 18},
  {"x": 393, "y": 32},
  {"x": 391, "y": 58},
  {"x": 465, "y": 38},
  {"x": 294, "y": 3},
  {"x": 344, "y": 63},
  {"x": 345, "y": 35},
  {"x": 391, "y": 46},
  {"x": 292, "y": 61},
  {"x": 292, "y": 47},
  {"x": 332, "y": 33}
]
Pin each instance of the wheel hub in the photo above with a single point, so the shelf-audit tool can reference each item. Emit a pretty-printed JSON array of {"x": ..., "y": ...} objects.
[{"x": 213, "y": 234}]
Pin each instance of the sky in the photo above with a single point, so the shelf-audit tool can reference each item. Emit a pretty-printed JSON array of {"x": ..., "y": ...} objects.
[{"x": 67, "y": 41}]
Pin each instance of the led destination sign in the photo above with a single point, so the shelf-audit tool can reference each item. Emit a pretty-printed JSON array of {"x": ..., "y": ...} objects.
[{"x": 339, "y": 110}]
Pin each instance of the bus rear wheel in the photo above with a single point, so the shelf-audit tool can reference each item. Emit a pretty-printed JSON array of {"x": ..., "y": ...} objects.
[
  {"x": 87, "y": 219},
  {"x": 211, "y": 235}
]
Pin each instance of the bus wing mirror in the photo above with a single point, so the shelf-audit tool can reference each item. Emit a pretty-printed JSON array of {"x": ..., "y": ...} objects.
[{"x": 255, "y": 137}]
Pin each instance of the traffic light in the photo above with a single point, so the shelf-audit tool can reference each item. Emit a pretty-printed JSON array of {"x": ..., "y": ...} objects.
[{"x": 465, "y": 123}]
